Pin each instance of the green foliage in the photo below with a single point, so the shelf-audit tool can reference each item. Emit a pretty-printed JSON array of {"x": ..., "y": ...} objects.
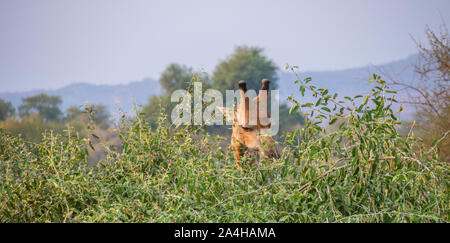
[
  {"x": 246, "y": 63},
  {"x": 47, "y": 107},
  {"x": 289, "y": 122},
  {"x": 174, "y": 77},
  {"x": 30, "y": 127},
  {"x": 39, "y": 178},
  {"x": 155, "y": 105},
  {"x": 6, "y": 110},
  {"x": 362, "y": 171}
]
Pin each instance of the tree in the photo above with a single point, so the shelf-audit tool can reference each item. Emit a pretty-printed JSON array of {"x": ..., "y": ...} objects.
[
  {"x": 6, "y": 110},
  {"x": 431, "y": 93},
  {"x": 175, "y": 76},
  {"x": 31, "y": 127},
  {"x": 156, "y": 105},
  {"x": 249, "y": 64},
  {"x": 100, "y": 115},
  {"x": 47, "y": 107},
  {"x": 73, "y": 113},
  {"x": 246, "y": 63}
]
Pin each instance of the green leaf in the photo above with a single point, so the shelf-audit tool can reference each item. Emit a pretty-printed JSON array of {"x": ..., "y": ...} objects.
[
  {"x": 333, "y": 121},
  {"x": 90, "y": 145},
  {"x": 365, "y": 100},
  {"x": 302, "y": 90},
  {"x": 318, "y": 101},
  {"x": 293, "y": 109},
  {"x": 437, "y": 141}
]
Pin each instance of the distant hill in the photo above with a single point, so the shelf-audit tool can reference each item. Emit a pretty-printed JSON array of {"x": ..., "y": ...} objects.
[
  {"x": 113, "y": 96},
  {"x": 351, "y": 82},
  {"x": 347, "y": 82}
]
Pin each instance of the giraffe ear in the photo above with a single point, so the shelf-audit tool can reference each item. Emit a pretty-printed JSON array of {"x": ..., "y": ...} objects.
[
  {"x": 242, "y": 86},
  {"x": 228, "y": 113},
  {"x": 265, "y": 84}
]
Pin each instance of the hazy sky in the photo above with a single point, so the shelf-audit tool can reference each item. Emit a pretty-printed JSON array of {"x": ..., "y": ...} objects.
[{"x": 49, "y": 44}]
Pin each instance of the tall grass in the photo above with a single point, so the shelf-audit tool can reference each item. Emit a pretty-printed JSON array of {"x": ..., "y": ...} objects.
[{"x": 360, "y": 171}]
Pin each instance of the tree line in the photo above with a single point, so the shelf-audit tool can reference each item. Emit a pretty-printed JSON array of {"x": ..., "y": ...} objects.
[{"x": 42, "y": 112}]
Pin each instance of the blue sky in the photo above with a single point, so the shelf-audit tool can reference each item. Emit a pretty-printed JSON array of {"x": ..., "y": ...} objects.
[{"x": 52, "y": 43}]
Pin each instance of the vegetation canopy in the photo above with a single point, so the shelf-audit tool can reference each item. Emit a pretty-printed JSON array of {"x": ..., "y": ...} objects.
[{"x": 347, "y": 163}]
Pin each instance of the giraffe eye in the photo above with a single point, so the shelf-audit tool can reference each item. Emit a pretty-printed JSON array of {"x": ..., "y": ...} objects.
[{"x": 247, "y": 128}]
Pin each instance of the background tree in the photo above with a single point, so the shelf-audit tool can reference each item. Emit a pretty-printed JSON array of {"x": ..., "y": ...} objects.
[
  {"x": 47, "y": 107},
  {"x": 249, "y": 64},
  {"x": 100, "y": 115},
  {"x": 155, "y": 105},
  {"x": 174, "y": 77},
  {"x": 6, "y": 110},
  {"x": 31, "y": 127},
  {"x": 73, "y": 113},
  {"x": 430, "y": 94},
  {"x": 246, "y": 63}
]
